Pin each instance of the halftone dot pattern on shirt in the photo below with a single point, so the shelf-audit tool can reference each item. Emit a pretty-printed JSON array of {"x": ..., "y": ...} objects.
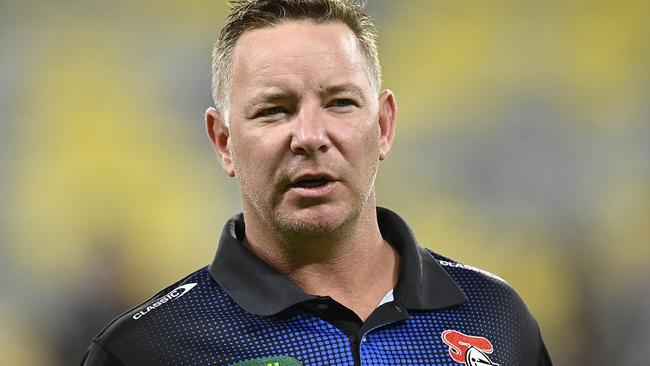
[
  {"x": 197, "y": 322},
  {"x": 206, "y": 327},
  {"x": 493, "y": 312}
]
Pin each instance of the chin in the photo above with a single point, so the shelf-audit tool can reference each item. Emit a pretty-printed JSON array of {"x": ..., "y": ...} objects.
[{"x": 313, "y": 220}]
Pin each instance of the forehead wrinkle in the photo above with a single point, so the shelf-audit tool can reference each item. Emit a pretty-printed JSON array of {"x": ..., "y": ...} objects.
[
  {"x": 321, "y": 53},
  {"x": 266, "y": 72},
  {"x": 268, "y": 78},
  {"x": 261, "y": 62}
]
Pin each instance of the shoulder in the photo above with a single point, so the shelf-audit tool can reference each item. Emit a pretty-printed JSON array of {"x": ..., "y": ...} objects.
[
  {"x": 486, "y": 291},
  {"x": 460, "y": 271},
  {"x": 160, "y": 318},
  {"x": 127, "y": 325},
  {"x": 496, "y": 311}
]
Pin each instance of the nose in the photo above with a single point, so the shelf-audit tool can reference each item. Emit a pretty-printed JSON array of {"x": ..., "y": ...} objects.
[{"x": 309, "y": 134}]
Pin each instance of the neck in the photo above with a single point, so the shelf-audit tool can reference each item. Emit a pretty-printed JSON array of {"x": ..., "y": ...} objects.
[{"x": 340, "y": 264}]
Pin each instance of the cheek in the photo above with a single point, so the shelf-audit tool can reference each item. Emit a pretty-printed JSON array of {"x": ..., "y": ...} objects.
[
  {"x": 372, "y": 150},
  {"x": 360, "y": 150},
  {"x": 253, "y": 155},
  {"x": 367, "y": 141}
]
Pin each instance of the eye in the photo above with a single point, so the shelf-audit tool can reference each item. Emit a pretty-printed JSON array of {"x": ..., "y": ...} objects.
[
  {"x": 342, "y": 103},
  {"x": 272, "y": 111}
]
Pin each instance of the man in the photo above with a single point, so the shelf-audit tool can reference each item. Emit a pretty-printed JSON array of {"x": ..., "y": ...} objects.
[{"x": 313, "y": 272}]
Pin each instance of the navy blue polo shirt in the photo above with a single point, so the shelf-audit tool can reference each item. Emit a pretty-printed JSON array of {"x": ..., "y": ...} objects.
[{"x": 241, "y": 311}]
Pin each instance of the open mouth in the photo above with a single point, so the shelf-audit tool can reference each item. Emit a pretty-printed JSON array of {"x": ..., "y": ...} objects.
[{"x": 310, "y": 183}]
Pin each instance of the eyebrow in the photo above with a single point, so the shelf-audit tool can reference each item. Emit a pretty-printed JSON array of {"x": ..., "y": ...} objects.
[
  {"x": 280, "y": 94},
  {"x": 273, "y": 95},
  {"x": 346, "y": 88}
]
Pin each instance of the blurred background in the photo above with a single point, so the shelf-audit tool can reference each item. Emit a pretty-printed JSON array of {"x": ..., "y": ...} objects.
[{"x": 523, "y": 147}]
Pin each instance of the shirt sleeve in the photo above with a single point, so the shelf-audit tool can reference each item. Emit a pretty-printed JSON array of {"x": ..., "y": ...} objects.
[{"x": 98, "y": 356}]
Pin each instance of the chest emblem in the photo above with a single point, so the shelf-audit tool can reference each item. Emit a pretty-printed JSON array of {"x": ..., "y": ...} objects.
[{"x": 468, "y": 350}]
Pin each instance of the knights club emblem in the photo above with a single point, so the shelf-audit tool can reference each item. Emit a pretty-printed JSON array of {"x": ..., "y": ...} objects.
[{"x": 468, "y": 350}]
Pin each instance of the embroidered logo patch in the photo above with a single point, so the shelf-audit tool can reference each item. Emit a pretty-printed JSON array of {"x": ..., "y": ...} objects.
[
  {"x": 468, "y": 350},
  {"x": 271, "y": 361}
]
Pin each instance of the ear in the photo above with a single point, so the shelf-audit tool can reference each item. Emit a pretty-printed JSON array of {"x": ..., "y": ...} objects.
[
  {"x": 219, "y": 135},
  {"x": 387, "y": 120}
]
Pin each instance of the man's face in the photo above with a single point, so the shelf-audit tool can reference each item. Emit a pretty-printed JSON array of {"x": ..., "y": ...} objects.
[{"x": 306, "y": 127}]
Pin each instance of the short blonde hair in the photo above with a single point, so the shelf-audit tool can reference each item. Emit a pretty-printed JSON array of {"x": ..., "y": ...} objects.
[{"x": 247, "y": 15}]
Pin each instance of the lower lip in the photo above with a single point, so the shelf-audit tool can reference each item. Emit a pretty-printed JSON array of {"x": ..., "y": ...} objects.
[{"x": 314, "y": 192}]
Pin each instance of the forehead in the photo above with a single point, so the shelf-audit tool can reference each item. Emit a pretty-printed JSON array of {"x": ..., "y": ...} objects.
[{"x": 298, "y": 51}]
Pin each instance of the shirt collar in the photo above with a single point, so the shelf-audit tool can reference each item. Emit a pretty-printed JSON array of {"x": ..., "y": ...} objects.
[{"x": 260, "y": 289}]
